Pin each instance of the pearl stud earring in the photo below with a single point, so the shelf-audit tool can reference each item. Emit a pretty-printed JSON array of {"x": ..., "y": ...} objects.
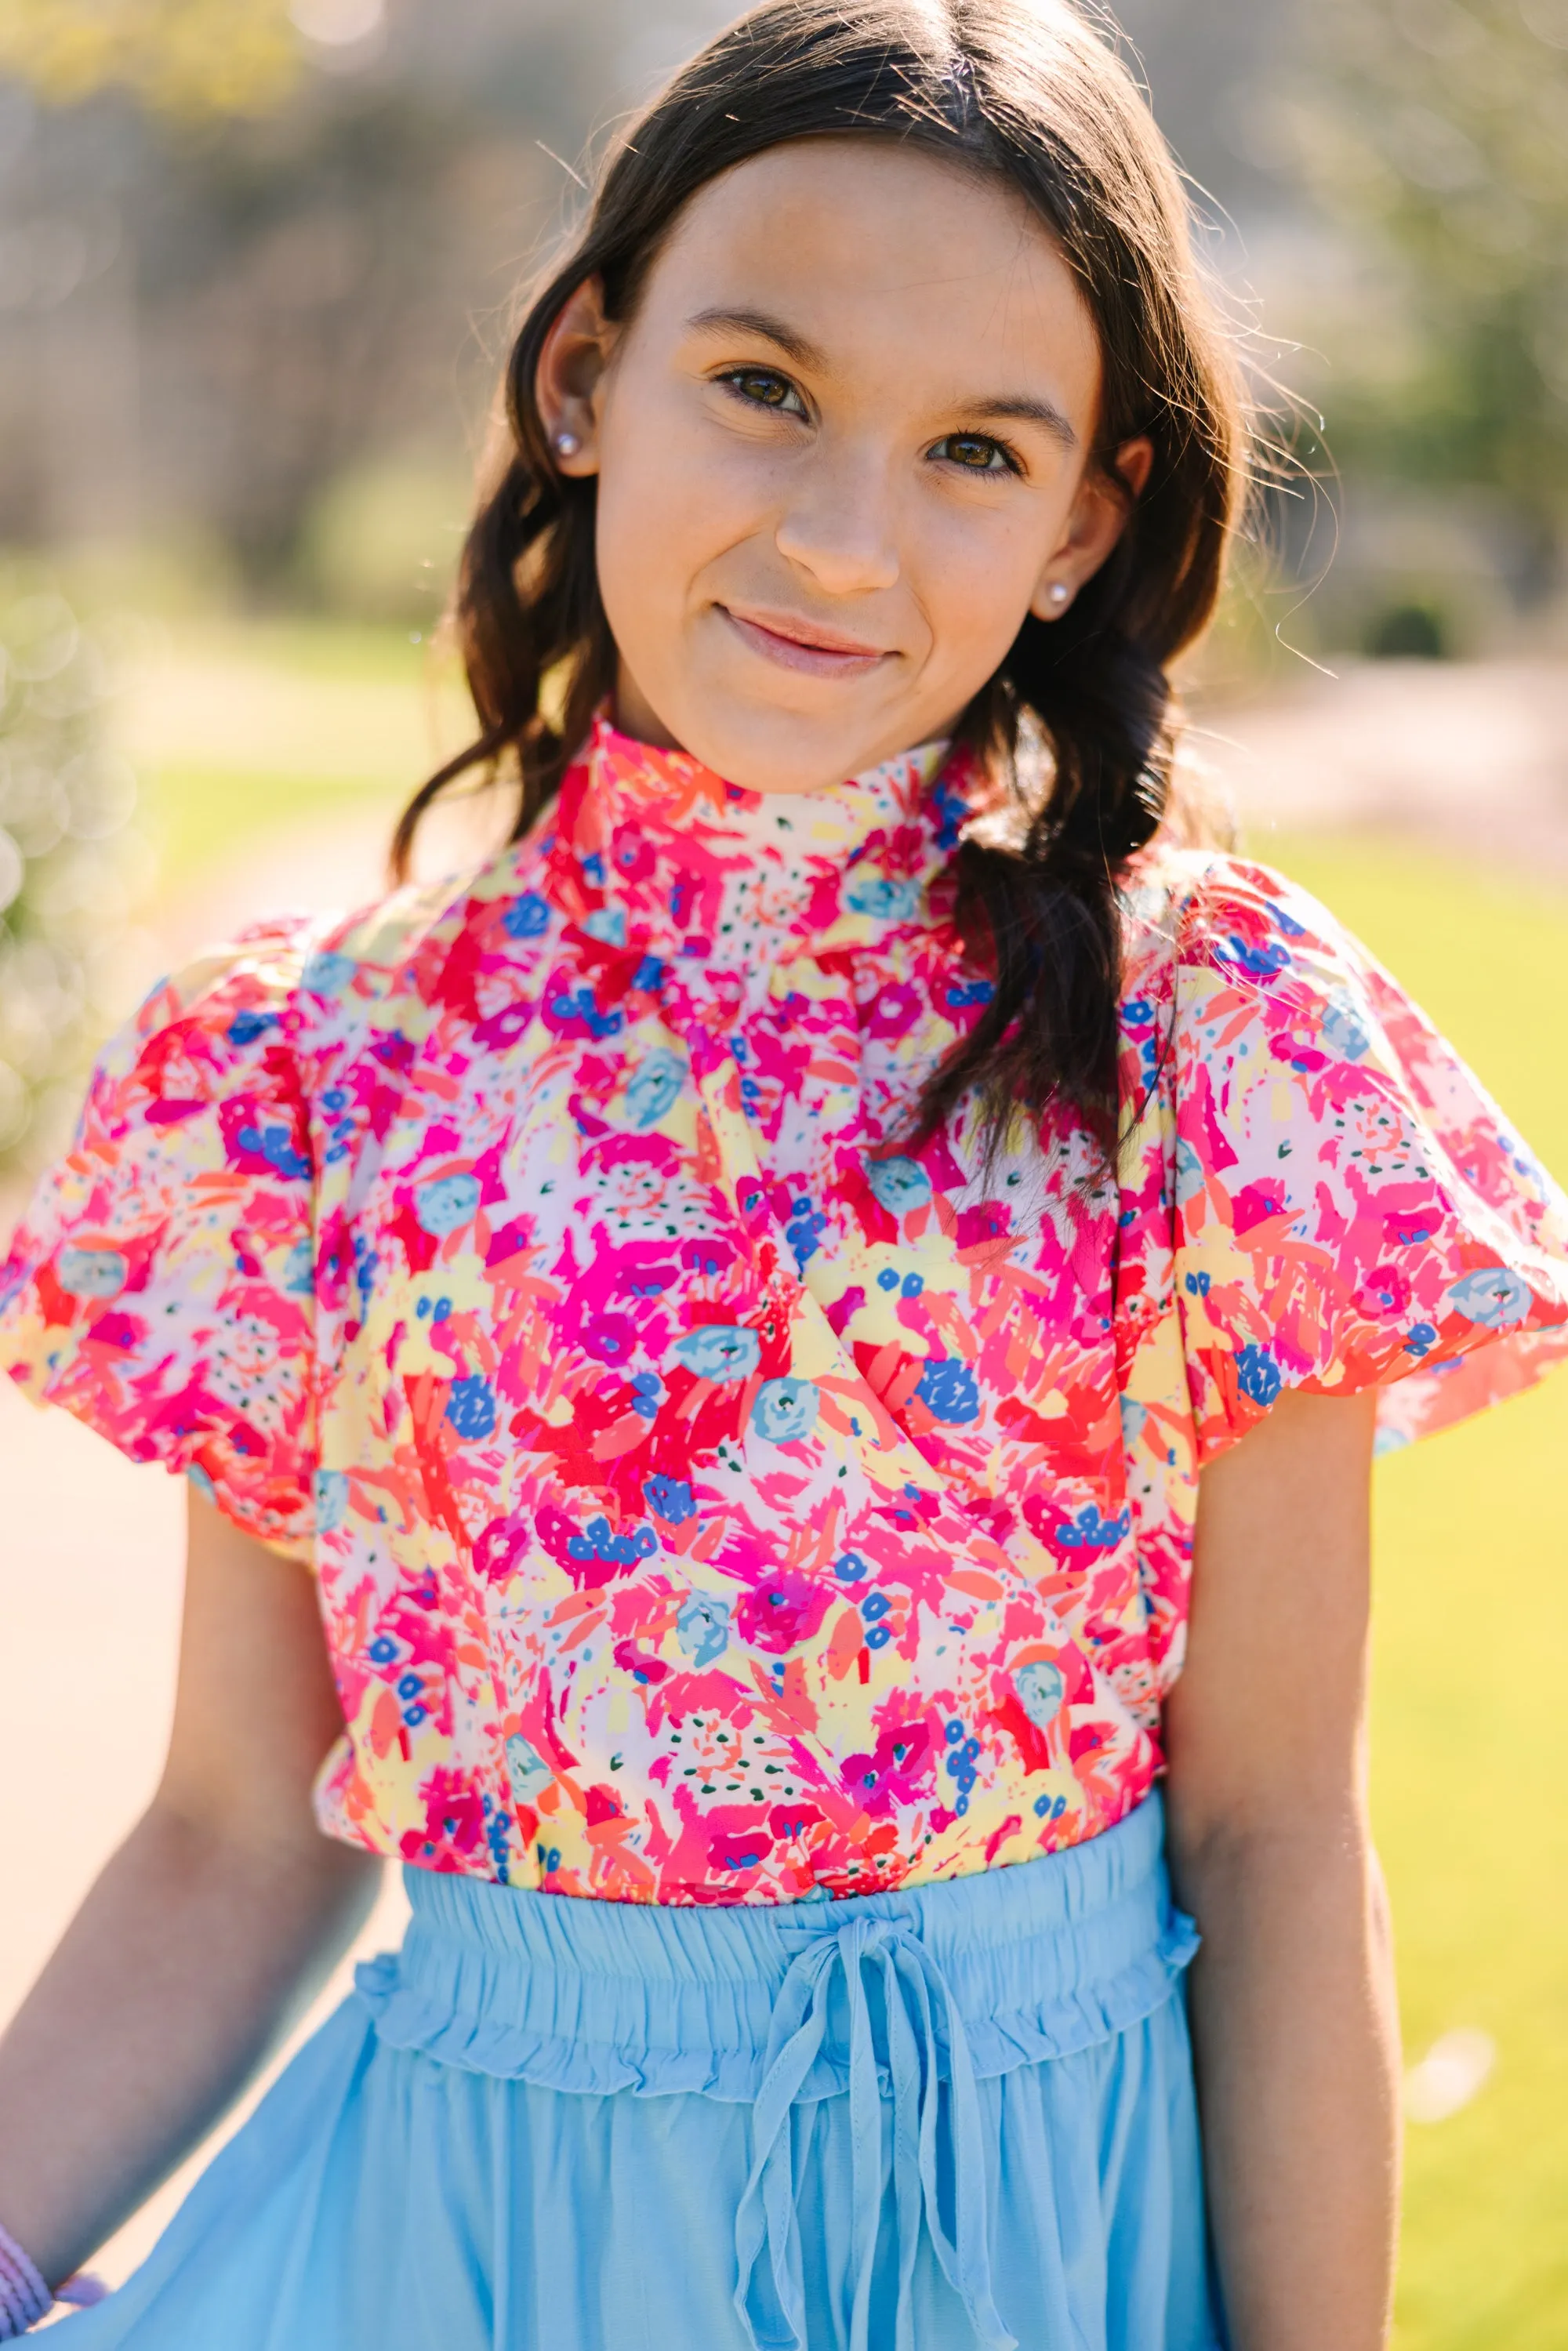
[
  {"x": 1056, "y": 595},
  {"x": 567, "y": 445}
]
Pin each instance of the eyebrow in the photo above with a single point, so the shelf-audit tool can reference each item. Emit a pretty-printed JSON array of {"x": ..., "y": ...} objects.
[
  {"x": 773, "y": 330},
  {"x": 1018, "y": 407},
  {"x": 1025, "y": 411}
]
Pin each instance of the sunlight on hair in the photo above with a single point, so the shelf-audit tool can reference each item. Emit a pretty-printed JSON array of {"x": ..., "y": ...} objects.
[{"x": 1454, "y": 2071}]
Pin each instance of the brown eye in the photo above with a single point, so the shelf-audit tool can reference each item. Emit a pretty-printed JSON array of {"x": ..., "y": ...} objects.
[
  {"x": 761, "y": 387},
  {"x": 975, "y": 453}
]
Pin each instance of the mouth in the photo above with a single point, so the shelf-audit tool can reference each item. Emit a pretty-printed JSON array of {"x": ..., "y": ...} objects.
[{"x": 804, "y": 645}]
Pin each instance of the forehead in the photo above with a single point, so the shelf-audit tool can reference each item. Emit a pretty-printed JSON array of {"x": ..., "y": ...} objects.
[{"x": 863, "y": 246}]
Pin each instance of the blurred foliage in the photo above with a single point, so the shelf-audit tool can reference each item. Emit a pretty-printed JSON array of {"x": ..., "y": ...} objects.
[
  {"x": 381, "y": 541},
  {"x": 70, "y": 865},
  {"x": 189, "y": 57},
  {"x": 1436, "y": 133}
]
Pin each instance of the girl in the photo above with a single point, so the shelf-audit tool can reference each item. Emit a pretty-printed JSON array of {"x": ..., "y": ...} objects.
[{"x": 820, "y": 1339}]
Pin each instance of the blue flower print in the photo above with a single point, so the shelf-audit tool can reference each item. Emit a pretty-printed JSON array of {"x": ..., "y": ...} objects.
[
  {"x": 329, "y": 1489},
  {"x": 1040, "y": 1690},
  {"x": 91, "y": 1272},
  {"x": 1493, "y": 1297},
  {"x": 327, "y": 974},
  {"x": 963, "y": 1755},
  {"x": 647, "y": 1387},
  {"x": 526, "y": 1770},
  {"x": 1261, "y": 962},
  {"x": 804, "y": 1230},
  {"x": 471, "y": 1408},
  {"x": 1258, "y": 1375},
  {"x": 607, "y": 924},
  {"x": 1190, "y": 1175},
  {"x": 670, "y": 1499},
  {"x": 1344, "y": 1030},
  {"x": 948, "y": 1391},
  {"x": 246, "y": 1027},
  {"x": 1088, "y": 1531},
  {"x": 367, "y": 1262},
  {"x": 898, "y": 1184},
  {"x": 580, "y": 1004},
  {"x": 527, "y": 916},
  {"x": 850, "y": 1568},
  {"x": 446, "y": 1203},
  {"x": 299, "y": 1271},
  {"x": 785, "y": 1410},
  {"x": 599, "y": 1543},
  {"x": 654, "y": 1086},
  {"x": 719, "y": 1351},
  {"x": 950, "y": 810},
  {"x": 276, "y": 1145},
  {"x": 880, "y": 895},
  {"x": 1420, "y": 1340},
  {"x": 702, "y": 1627}
]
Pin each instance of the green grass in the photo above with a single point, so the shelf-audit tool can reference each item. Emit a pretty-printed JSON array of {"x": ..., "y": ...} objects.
[
  {"x": 1471, "y": 1753},
  {"x": 200, "y": 814}
]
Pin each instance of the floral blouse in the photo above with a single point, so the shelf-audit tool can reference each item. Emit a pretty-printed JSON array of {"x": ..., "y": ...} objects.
[{"x": 711, "y": 1502}]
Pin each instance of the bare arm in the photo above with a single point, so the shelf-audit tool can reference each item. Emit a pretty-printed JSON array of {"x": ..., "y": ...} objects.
[
  {"x": 1292, "y": 1995},
  {"x": 216, "y": 1919}
]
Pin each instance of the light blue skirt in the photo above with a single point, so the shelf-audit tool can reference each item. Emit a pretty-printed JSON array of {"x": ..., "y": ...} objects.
[{"x": 962, "y": 2115}]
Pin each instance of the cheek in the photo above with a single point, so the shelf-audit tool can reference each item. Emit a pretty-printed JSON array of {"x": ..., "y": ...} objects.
[
  {"x": 973, "y": 573},
  {"x": 667, "y": 507}
]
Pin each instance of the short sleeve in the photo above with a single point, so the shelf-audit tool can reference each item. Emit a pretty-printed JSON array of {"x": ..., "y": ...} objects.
[
  {"x": 1352, "y": 1208},
  {"x": 160, "y": 1287}
]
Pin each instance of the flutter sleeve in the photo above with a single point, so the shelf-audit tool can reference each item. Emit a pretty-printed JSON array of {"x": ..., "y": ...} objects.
[
  {"x": 1352, "y": 1208},
  {"x": 162, "y": 1285}
]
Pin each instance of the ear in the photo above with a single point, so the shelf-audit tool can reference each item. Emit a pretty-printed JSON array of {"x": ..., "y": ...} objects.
[
  {"x": 570, "y": 381},
  {"x": 1097, "y": 519}
]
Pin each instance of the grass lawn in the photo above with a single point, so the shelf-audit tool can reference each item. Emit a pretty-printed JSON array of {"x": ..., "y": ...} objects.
[
  {"x": 1470, "y": 1756},
  {"x": 1471, "y": 1733}
]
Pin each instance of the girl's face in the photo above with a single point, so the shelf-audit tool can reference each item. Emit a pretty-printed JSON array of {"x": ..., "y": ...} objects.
[{"x": 842, "y": 449}]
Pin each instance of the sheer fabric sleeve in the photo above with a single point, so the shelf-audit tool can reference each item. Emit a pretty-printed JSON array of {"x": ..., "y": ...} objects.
[
  {"x": 1352, "y": 1208},
  {"x": 162, "y": 1285}
]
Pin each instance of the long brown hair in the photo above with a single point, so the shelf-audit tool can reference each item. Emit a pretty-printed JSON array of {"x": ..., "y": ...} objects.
[{"x": 1027, "y": 92}]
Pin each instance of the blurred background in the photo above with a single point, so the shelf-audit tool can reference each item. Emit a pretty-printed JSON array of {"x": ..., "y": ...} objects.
[{"x": 257, "y": 264}]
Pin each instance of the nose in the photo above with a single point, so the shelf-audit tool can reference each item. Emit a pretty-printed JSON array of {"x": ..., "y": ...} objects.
[{"x": 839, "y": 525}]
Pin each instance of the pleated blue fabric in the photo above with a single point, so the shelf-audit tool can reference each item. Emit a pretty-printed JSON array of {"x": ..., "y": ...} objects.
[{"x": 953, "y": 2118}]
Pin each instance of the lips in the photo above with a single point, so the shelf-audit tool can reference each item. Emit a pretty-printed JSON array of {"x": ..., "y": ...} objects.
[{"x": 803, "y": 645}]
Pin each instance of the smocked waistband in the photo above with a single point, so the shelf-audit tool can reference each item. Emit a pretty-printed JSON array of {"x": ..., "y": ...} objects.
[{"x": 1038, "y": 1959}]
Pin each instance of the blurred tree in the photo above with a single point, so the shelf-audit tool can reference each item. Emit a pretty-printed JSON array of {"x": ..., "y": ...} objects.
[
  {"x": 184, "y": 56},
  {"x": 1436, "y": 132},
  {"x": 68, "y": 857}
]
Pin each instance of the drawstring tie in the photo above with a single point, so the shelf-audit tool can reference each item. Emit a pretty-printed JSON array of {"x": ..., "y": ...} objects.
[{"x": 922, "y": 2020}]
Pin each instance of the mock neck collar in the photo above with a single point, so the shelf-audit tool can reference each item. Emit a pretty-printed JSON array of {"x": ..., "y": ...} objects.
[{"x": 651, "y": 850}]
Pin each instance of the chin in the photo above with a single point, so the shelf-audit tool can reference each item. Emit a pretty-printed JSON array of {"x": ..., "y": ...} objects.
[{"x": 766, "y": 749}]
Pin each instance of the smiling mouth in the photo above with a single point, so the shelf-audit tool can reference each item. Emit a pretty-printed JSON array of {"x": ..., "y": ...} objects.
[{"x": 803, "y": 644}]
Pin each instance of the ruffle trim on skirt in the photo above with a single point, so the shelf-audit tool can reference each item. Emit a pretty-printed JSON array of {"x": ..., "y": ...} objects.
[{"x": 501, "y": 1983}]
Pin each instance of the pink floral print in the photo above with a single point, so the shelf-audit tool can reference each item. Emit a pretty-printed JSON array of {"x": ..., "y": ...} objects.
[{"x": 712, "y": 1500}]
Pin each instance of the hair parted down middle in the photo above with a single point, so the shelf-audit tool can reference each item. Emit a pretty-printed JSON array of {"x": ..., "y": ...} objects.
[{"x": 1028, "y": 93}]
